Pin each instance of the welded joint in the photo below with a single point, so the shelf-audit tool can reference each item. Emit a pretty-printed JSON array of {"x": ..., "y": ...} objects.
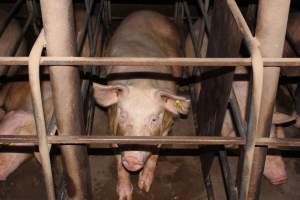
[{"x": 34, "y": 80}]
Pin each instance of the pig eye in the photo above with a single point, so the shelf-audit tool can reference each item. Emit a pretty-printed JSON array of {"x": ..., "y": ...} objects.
[{"x": 155, "y": 119}]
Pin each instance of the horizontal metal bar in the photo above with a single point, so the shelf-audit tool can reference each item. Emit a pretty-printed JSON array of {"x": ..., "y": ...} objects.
[
  {"x": 192, "y": 140},
  {"x": 133, "y": 61},
  {"x": 280, "y": 142}
]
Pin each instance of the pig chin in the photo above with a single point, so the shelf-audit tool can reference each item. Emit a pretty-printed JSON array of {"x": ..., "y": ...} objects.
[{"x": 134, "y": 160}]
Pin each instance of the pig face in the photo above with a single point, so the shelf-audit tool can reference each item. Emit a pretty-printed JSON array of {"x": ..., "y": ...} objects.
[{"x": 138, "y": 111}]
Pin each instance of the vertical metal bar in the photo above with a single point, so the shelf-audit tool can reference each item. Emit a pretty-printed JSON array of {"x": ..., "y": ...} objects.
[
  {"x": 58, "y": 21},
  {"x": 256, "y": 96},
  {"x": 242, "y": 129},
  {"x": 270, "y": 32},
  {"x": 197, "y": 43},
  {"x": 190, "y": 24},
  {"x": 34, "y": 79},
  {"x": 237, "y": 115},
  {"x": 229, "y": 183}
]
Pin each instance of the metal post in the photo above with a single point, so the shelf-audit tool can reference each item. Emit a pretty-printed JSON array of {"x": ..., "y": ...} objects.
[
  {"x": 58, "y": 21},
  {"x": 270, "y": 32}
]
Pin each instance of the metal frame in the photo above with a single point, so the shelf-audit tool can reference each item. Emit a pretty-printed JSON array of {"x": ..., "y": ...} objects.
[{"x": 249, "y": 140}]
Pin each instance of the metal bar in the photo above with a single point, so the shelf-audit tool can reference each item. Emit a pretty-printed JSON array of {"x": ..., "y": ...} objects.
[
  {"x": 88, "y": 6},
  {"x": 256, "y": 96},
  {"x": 134, "y": 61},
  {"x": 22, "y": 35},
  {"x": 10, "y": 15},
  {"x": 58, "y": 22},
  {"x": 204, "y": 9},
  {"x": 190, "y": 25},
  {"x": 68, "y": 139},
  {"x": 228, "y": 180},
  {"x": 271, "y": 37},
  {"x": 242, "y": 130},
  {"x": 275, "y": 143},
  {"x": 34, "y": 79},
  {"x": 295, "y": 46},
  {"x": 237, "y": 115}
]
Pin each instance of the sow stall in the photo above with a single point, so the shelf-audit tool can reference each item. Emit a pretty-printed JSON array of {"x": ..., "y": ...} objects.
[{"x": 227, "y": 30}]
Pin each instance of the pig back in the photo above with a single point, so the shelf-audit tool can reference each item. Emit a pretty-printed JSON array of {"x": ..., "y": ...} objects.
[{"x": 144, "y": 34}]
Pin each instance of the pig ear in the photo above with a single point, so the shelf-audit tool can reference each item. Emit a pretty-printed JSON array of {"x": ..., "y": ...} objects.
[
  {"x": 175, "y": 104},
  {"x": 281, "y": 118},
  {"x": 107, "y": 95}
]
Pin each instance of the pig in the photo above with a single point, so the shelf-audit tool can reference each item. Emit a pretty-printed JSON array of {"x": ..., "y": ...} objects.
[
  {"x": 9, "y": 161},
  {"x": 16, "y": 113},
  {"x": 139, "y": 101},
  {"x": 274, "y": 166}
]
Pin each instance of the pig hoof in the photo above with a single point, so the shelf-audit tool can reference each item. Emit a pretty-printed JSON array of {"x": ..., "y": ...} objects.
[
  {"x": 124, "y": 191},
  {"x": 145, "y": 180}
]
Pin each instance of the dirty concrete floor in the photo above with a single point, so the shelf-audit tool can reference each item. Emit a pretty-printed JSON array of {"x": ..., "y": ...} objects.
[{"x": 178, "y": 177}]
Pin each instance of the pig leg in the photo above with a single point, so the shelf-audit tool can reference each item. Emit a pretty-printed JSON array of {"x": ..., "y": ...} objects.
[
  {"x": 14, "y": 122},
  {"x": 274, "y": 169},
  {"x": 124, "y": 187},
  {"x": 147, "y": 174}
]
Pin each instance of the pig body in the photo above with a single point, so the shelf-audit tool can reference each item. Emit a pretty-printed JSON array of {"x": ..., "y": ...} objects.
[
  {"x": 16, "y": 113},
  {"x": 142, "y": 101},
  {"x": 274, "y": 166},
  {"x": 13, "y": 119}
]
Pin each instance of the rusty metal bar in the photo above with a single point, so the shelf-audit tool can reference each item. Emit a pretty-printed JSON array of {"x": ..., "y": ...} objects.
[
  {"x": 271, "y": 37},
  {"x": 34, "y": 79},
  {"x": 133, "y": 61},
  {"x": 58, "y": 21}
]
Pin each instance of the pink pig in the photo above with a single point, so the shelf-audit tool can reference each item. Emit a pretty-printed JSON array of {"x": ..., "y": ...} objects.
[{"x": 141, "y": 101}]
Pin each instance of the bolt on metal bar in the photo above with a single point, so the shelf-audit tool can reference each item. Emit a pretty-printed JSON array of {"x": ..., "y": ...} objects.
[
  {"x": 155, "y": 62},
  {"x": 35, "y": 87}
]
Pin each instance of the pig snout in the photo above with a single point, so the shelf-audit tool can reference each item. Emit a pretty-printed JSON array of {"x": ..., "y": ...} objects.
[{"x": 134, "y": 160}]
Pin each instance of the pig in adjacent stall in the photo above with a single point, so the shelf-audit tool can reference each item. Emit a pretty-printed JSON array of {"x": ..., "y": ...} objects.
[
  {"x": 274, "y": 166},
  {"x": 141, "y": 101},
  {"x": 16, "y": 110},
  {"x": 12, "y": 121}
]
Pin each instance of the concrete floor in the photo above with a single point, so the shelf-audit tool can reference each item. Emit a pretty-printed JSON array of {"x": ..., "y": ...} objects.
[{"x": 178, "y": 177}]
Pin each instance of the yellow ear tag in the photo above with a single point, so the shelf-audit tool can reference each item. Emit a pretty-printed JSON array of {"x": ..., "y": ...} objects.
[{"x": 178, "y": 105}]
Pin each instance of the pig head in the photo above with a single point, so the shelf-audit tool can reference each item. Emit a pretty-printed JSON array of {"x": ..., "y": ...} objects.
[{"x": 135, "y": 111}]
